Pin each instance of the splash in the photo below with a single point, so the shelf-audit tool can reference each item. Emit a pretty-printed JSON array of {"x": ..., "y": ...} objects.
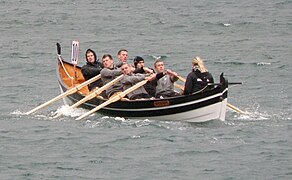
[
  {"x": 70, "y": 112},
  {"x": 253, "y": 114},
  {"x": 17, "y": 112},
  {"x": 35, "y": 116},
  {"x": 20, "y": 114}
]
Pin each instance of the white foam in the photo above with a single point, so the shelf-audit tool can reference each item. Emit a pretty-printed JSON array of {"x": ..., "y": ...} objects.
[
  {"x": 263, "y": 63},
  {"x": 70, "y": 112},
  {"x": 119, "y": 119},
  {"x": 156, "y": 57},
  {"x": 17, "y": 112},
  {"x": 254, "y": 116}
]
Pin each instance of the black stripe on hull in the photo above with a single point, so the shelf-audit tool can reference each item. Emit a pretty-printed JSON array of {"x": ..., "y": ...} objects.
[
  {"x": 161, "y": 112},
  {"x": 139, "y": 108}
]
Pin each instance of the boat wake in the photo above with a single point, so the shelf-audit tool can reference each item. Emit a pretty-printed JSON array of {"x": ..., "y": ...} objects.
[
  {"x": 107, "y": 121},
  {"x": 118, "y": 122}
]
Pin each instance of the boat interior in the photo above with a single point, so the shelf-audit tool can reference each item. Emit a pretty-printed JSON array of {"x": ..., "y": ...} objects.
[{"x": 72, "y": 77}]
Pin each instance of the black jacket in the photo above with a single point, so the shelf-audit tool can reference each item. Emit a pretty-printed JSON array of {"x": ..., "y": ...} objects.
[
  {"x": 91, "y": 70},
  {"x": 197, "y": 81}
]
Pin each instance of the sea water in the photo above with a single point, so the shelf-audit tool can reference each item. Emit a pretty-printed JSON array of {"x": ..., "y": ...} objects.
[{"x": 250, "y": 41}]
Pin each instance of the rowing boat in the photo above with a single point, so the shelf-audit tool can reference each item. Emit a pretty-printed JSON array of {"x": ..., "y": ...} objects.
[{"x": 197, "y": 107}]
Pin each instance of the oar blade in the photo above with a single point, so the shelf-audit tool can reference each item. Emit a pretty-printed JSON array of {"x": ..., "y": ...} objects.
[{"x": 51, "y": 101}]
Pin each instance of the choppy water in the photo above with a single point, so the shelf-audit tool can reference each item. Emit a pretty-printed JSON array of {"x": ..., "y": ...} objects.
[{"x": 250, "y": 41}]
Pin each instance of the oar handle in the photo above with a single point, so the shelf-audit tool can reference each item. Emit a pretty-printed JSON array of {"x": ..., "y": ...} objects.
[
  {"x": 181, "y": 78},
  {"x": 229, "y": 83},
  {"x": 181, "y": 87}
]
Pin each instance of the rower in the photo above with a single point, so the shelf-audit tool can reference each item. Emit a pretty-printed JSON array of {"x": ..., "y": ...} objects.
[
  {"x": 130, "y": 79},
  {"x": 165, "y": 82},
  {"x": 110, "y": 72}
]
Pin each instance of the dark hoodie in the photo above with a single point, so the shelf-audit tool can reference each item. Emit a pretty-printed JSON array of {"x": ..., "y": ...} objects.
[
  {"x": 196, "y": 80},
  {"x": 91, "y": 70}
]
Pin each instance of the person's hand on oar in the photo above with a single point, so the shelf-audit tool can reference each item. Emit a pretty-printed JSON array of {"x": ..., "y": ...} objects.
[{"x": 71, "y": 91}]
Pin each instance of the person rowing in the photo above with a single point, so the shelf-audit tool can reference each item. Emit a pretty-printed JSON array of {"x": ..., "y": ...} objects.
[
  {"x": 122, "y": 57},
  {"x": 140, "y": 67},
  {"x": 165, "y": 81},
  {"x": 130, "y": 79},
  {"x": 110, "y": 72}
]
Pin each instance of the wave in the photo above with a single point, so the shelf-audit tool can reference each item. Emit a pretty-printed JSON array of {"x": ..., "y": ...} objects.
[
  {"x": 222, "y": 24},
  {"x": 155, "y": 57},
  {"x": 263, "y": 63},
  {"x": 243, "y": 63}
]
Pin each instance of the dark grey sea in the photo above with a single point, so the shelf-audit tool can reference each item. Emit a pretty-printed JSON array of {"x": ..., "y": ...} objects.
[{"x": 250, "y": 41}]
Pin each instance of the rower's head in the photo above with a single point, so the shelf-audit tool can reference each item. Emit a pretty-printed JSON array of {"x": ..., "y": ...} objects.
[
  {"x": 126, "y": 68},
  {"x": 107, "y": 61},
  {"x": 198, "y": 63},
  {"x": 123, "y": 55},
  {"x": 90, "y": 55},
  {"x": 138, "y": 62},
  {"x": 159, "y": 66}
]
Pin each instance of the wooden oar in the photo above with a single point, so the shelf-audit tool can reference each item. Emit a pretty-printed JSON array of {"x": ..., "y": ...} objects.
[
  {"x": 113, "y": 99},
  {"x": 181, "y": 78},
  {"x": 70, "y": 91},
  {"x": 181, "y": 87},
  {"x": 93, "y": 94},
  {"x": 236, "y": 109},
  {"x": 229, "y": 83},
  {"x": 228, "y": 104}
]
